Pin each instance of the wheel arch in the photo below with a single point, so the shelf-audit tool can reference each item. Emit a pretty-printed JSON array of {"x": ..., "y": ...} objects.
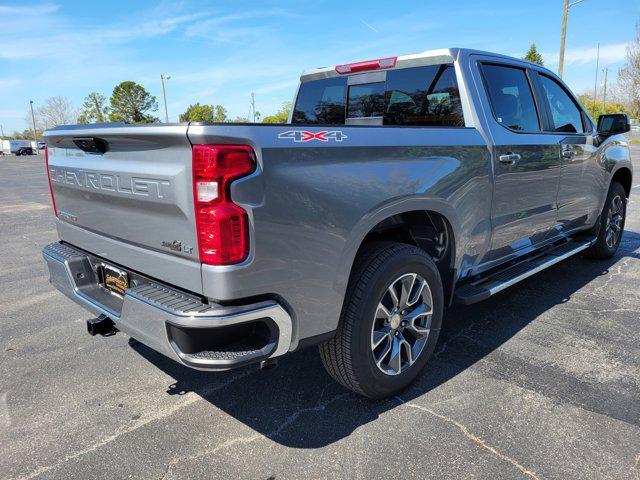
[
  {"x": 623, "y": 176},
  {"x": 407, "y": 222}
]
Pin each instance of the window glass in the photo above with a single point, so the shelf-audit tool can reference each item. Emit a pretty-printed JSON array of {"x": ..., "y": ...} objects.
[
  {"x": 366, "y": 100},
  {"x": 426, "y": 96},
  {"x": 321, "y": 102},
  {"x": 511, "y": 98},
  {"x": 421, "y": 96},
  {"x": 565, "y": 113}
]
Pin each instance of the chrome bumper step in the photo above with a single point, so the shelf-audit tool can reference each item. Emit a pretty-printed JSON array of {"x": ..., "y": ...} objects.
[
  {"x": 496, "y": 281},
  {"x": 169, "y": 320}
]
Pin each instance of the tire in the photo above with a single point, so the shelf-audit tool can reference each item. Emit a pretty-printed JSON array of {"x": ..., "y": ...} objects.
[
  {"x": 350, "y": 357},
  {"x": 611, "y": 223}
]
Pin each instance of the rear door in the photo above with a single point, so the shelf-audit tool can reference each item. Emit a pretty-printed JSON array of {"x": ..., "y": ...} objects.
[{"x": 526, "y": 162}]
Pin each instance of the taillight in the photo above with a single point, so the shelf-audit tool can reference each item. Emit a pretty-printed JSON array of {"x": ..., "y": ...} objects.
[
  {"x": 378, "y": 64},
  {"x": 222, "y": 226},
  {"x": 53, "y": 198}
]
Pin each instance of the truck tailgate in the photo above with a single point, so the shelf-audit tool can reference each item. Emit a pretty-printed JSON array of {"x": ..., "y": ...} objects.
[{"x": 132, "y": 203}]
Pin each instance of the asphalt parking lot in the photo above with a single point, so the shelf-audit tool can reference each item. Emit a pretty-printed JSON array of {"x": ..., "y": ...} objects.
[{"x": 541, "y": 381}]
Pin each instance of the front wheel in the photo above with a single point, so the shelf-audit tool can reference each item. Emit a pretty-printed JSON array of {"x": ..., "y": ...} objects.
[
  {"x": 390, "y": 321},
  {"x": 611, "y": 223}
]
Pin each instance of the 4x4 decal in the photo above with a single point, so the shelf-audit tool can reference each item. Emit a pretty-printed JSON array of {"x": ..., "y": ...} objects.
[{"x": 305, "y": 136}]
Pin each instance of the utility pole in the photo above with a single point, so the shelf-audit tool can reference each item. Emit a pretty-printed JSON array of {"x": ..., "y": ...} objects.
[
  {"x": 253, "y": 106},
  {"x": 1, "y": 130},
  {"x": 604, "y": 91},
  {"x": 164, "y": 98},
  {"x": 563, "y": 36},
  {"x": 35, "y": 135},
  {"x": 595, "y": 85}
]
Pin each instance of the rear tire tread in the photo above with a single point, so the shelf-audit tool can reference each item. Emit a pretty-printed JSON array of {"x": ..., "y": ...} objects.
[{"x": 335, "y": 351}]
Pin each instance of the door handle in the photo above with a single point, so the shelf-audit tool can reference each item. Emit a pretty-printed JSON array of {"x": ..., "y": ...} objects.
[
  {"x": 509, "y": 158},
  {"x": 568, "y": 153}
]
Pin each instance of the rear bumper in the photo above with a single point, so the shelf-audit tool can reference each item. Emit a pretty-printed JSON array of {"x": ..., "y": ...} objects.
[{"x": 179, "y": 325}]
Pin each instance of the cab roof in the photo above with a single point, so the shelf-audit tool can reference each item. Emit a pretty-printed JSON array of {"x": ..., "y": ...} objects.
[{"x": 428, "y": 57}]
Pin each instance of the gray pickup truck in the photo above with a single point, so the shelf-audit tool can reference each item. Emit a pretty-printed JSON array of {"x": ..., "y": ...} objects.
[{"x": 398, "y": 186}]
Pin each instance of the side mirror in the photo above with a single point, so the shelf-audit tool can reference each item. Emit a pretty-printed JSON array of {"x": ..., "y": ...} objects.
[{"x": 613, "y": 124}]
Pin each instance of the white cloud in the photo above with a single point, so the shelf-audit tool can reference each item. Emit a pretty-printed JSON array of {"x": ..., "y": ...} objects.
[
  {"x": 274, "y": 87},
  {"x": 42, "y": 9},
  {"x": 6, "y": 83},
  {"x": 76, "y": 40},
  {"x": 211, "y": 26},
  {"x": 580, "y": 56}
]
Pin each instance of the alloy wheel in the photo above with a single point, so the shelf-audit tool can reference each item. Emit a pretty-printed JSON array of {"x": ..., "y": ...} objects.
[
  {"x": 401, "y": 324},
  {"x": 615, "y": 218}
]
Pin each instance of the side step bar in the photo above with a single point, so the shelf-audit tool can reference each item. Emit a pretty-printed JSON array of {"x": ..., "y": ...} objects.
[{"x": 496, "y": 281}]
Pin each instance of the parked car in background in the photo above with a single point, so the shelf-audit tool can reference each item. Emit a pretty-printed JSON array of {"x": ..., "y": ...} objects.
[
  {"x": 399, "y": 186},
  {"x": 41, "y": 145}
]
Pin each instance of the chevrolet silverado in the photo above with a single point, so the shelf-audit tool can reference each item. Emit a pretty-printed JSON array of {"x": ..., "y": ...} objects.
[{"x": 399, "y": 186}]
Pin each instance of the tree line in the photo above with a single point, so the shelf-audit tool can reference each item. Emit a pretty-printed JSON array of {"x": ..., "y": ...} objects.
[
  {"x": 130, "y": 102},
  {"x": 217, "y": 113}
]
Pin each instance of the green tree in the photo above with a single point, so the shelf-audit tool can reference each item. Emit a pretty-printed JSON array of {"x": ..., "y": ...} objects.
[
  {"x": 595, "y": 108},
  {"x": 24, "y": 135},
  {"x": 94, "y": 109},
  {"x": 281, "y": 116},
  {"x": 533, "y": 55},
  {"x": 130, "y": 103},
  {"x": 220, "y": 114},
  {"x": 204, "y": 113}
]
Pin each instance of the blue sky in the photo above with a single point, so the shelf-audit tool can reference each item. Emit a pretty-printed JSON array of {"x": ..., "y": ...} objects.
[{"x": 219, "y": 52}]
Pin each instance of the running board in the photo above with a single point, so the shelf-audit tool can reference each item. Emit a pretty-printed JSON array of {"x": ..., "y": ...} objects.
[{"x": 483, "y": 288}]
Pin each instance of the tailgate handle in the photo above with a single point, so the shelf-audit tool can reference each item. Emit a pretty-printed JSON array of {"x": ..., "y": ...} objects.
[{"x": 91, "y": 144}]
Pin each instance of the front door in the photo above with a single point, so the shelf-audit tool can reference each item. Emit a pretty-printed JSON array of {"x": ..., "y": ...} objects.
[
  {"x": 526, "y": 163},
  {"x": 581, "y": 175}
]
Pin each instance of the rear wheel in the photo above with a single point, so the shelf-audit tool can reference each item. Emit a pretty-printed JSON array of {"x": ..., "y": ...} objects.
[
  {"x": 390, "y": 321},
  {"x": 611, "y": 223}
]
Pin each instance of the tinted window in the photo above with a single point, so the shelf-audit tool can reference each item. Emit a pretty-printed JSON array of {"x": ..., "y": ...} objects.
[
  {"x": 321, "y": 101},
  {"x": 366, "y": 100},
  {"x": 511, "y": 97},
  {"x": 423, "y": 96},
  {"x": 565, "y": 113}
]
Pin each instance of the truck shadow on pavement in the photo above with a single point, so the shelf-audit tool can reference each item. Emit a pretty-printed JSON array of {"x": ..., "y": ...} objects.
[{"x": 298, "y": 405}]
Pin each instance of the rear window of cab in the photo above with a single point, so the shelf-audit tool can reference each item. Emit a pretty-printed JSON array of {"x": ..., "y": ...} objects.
[{"x": 417, "y": 96}]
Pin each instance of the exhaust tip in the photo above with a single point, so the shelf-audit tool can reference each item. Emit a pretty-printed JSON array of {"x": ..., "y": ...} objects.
[{"x": 101, "y": 325}]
